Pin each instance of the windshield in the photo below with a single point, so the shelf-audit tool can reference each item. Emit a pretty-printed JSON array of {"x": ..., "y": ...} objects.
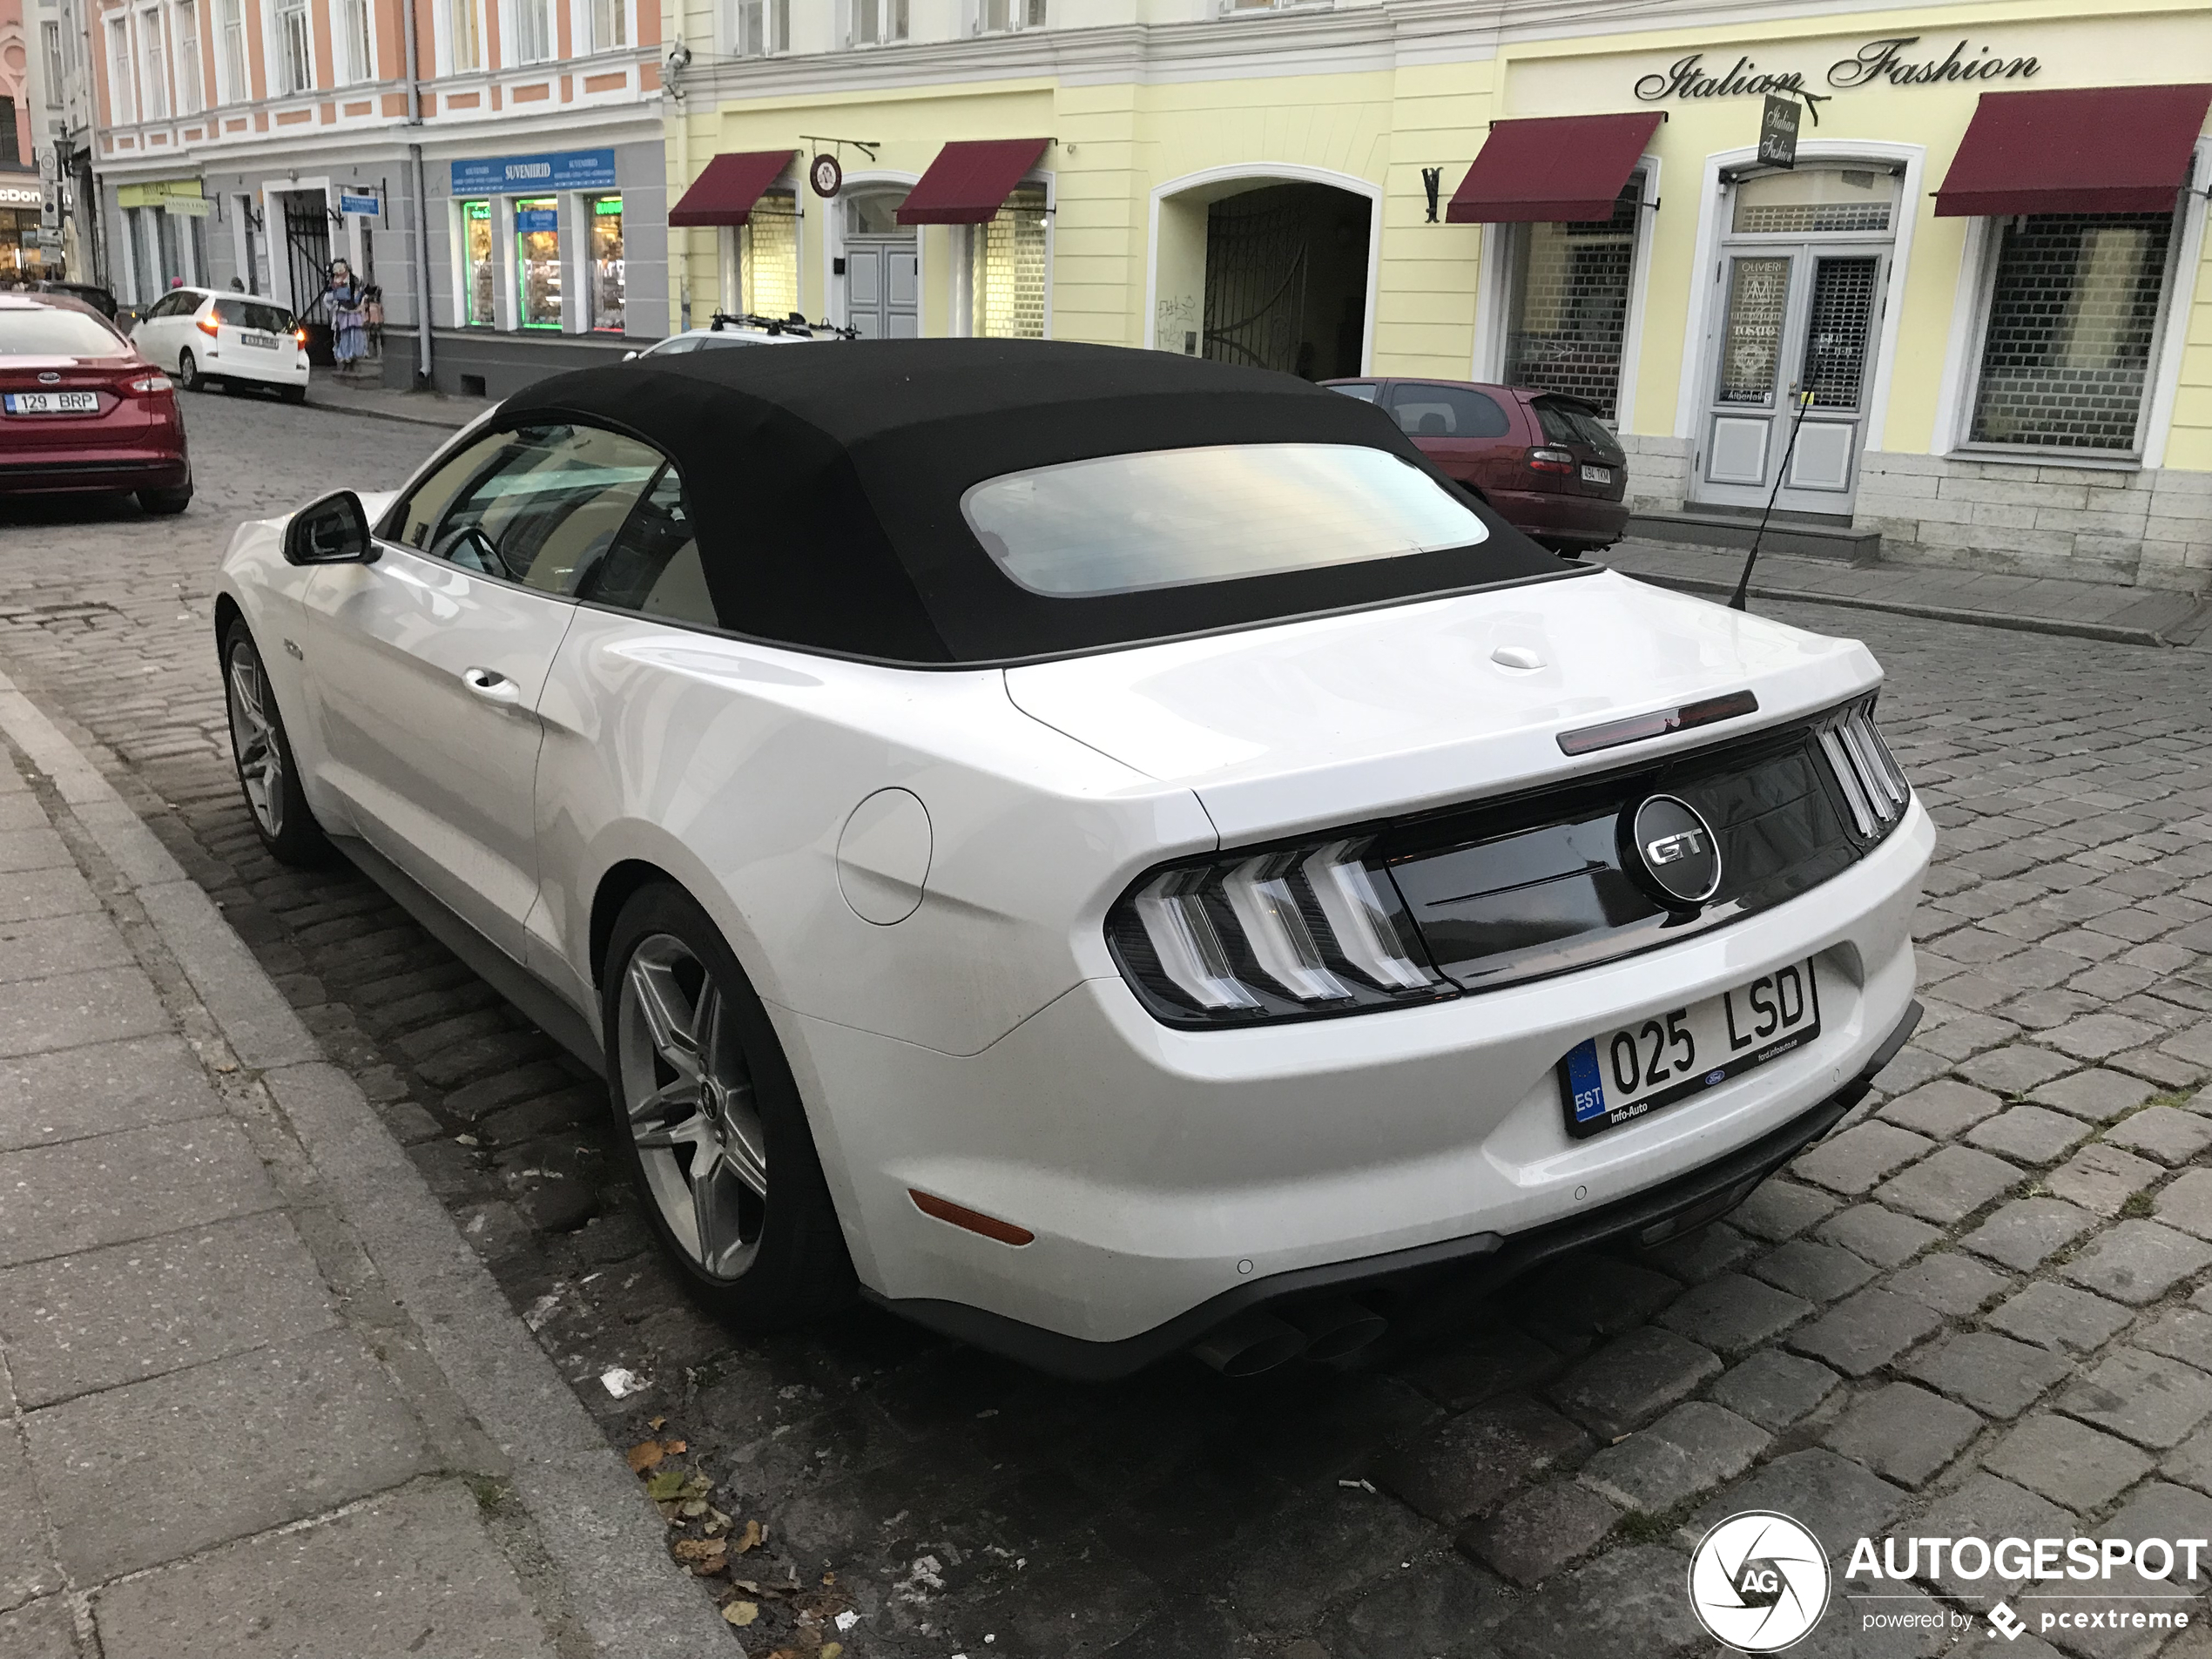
[
  {"x": 250, "y": 314},
  {"x": 53, "y": 331},
  {"x": 1168, "y": 518}
]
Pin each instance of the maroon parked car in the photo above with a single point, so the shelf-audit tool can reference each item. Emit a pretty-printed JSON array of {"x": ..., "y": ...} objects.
[
  {"x": 1543, "y": 461},
  {"x": 81, "y": 410}
]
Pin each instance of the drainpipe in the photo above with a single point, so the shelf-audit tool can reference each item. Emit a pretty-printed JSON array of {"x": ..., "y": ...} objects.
[{"x": 423, "y": 382}]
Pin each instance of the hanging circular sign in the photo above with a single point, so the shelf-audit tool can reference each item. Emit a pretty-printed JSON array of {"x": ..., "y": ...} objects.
[{"x": 826, "y": 175}]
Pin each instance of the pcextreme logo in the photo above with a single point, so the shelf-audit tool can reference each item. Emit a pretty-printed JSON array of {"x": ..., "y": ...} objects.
[{"x": 1759, "y": 1581}]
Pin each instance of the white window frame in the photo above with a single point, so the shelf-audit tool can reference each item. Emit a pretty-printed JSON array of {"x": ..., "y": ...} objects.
[
  {"x": 962, "y": 319},
  {"x": 191, "y": 84},
  {"x": 1022, "y": 17},
  {"x": 233, "y": 80},
  {"x": 442, "y": 19},
  {"x": 583, "y": 26},
  {"x": 50, "y": 43},
  {"x": 122, "y": 73},
  {"x": 775, "y": 27},
  {"x": 510, "y": 33},
  {"x": 1961, "y": 383},
  {"x": 878, "y": 14},
  {"x": 153, "y": 63},
  {"x": 347, "y": 70},
  {"x": 272, "y": 23}
]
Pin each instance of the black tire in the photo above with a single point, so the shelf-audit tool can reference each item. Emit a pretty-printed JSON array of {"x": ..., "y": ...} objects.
[
  {"x": 278, "y": 806},
  {"x": 293, "y": 394},
  {"x": 164, "y": 502},
  {"x": 787, "y": 1257},
  {"x": 188, "y": 375}
]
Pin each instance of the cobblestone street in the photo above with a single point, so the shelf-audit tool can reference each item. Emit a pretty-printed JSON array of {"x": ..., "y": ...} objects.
[{"x": 1982, "y": 1307}]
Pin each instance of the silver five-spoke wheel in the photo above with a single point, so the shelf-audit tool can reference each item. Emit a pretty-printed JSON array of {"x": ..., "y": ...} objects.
[
  {"x": 253, "y": 739},
  {"x": 690, "y": 1105}
]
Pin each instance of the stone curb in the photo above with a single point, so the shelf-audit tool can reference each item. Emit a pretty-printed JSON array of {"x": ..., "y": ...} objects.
[
  {"x": 2105, "y": 631},
  {"x": 608, "y": 1544},
  {"x": 406, "y": 417}
]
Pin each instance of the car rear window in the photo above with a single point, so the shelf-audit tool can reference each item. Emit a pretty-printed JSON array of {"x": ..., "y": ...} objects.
[
  {"x": 55, "y": 331},
  {"x": 1169, "y": 518},
  {"x": 1571, "y": 423},
  {"x": 248, "y": 314},
  {"x": 1447, "y": 412}
]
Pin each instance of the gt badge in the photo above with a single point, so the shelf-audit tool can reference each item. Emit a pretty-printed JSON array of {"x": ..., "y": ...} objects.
[{"x": 1675, "y": 849}]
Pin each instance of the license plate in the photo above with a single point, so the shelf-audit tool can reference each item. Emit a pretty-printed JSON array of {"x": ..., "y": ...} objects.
[
  {"x": 1609, "y": 1080},
  {"x": 53, "y": 402},
  {"x": 1597, "y": 475},
  {"x": 267, "y": 342}
]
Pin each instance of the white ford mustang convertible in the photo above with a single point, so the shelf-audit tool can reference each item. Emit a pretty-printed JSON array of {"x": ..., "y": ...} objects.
[{"x": 1100, "y": 853}]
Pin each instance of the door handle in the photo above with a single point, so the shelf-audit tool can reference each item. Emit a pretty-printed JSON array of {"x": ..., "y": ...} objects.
[{"x": 491, "y": 685}]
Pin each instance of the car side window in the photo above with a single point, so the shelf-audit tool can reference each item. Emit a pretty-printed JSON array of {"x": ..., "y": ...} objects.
[
  {"x": 653, "y": 567},
  {"x": 547, "y": 506},
  {"x": 1447, "y": 412},
  {"x": 1363, "y": 390},
  {"x": 672, "y": 348}
]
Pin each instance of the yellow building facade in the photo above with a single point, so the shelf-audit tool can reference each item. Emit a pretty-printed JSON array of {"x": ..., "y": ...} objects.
[{"x": 2027, "y": 390}]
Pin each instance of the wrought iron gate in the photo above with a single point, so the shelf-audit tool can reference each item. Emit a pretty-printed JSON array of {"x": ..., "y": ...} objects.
[{"x": 1256, "y": 256}]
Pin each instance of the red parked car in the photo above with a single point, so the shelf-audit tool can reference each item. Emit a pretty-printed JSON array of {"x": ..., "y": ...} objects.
[
  {"x": 1545, "y": 462},
  {"x": 81, "y": 410}
]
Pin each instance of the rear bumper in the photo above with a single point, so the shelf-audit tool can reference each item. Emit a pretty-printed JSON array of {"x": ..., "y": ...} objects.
[
  {"x": 122, "y": 471},
  {"x": 1463, "y": 1267},
  {"x": 243, "y": 363},
  {"x": 1583, "y": 520}
]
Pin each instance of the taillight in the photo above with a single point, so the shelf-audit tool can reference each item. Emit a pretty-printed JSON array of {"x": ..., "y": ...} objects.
[
  {"x": 150, "y": 385},
  {"x": 1555, "y": 460},
  {"x": 299, "y": 337},
  {"x": 1284, "y": 934},
  {"x": 1873, "y": 788},
  {"x": 206, "y": 326}
]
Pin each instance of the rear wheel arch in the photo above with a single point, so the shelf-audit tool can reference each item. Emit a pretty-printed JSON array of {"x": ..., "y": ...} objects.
[{"x": 226, "y": 612}]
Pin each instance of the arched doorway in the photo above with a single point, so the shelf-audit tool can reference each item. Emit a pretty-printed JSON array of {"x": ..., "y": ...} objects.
[
  {"x": 881, "y": 260},
  {"x": 1266, "y": 270}
]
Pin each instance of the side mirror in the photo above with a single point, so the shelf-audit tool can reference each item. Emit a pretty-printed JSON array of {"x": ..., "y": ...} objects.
[
  {"x": 332, "y": 530},
  {"x": 630, "y": 356}
]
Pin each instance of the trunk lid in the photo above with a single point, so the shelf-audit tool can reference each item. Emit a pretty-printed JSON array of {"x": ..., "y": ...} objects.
[{"x": 1310, "y": 724}]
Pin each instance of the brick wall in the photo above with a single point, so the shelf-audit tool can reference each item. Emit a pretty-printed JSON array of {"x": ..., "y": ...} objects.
[{"x": 2147, "y": 528}]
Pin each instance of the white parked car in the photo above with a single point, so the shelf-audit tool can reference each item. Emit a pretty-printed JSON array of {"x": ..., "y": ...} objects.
[
  {"x": 238, "y": 339},
  {"x": 746, "y": 330},
  {"x": 1104, "y": 852}
]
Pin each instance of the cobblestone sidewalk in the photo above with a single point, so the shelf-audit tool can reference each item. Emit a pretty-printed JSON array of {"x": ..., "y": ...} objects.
[{"x": 246, "y": 1361}]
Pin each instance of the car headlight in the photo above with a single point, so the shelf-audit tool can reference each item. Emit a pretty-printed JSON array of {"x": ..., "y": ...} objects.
[{"x": 1291, "y": 932}]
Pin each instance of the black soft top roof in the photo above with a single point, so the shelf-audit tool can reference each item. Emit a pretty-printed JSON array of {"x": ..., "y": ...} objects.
[{"x": 824, "y": 485}]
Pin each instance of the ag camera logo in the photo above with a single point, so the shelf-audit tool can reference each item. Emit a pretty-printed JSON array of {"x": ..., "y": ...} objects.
[{"x": 1759, "y": 1582}]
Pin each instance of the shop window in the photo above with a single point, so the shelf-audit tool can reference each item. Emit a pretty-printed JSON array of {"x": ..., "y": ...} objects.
[
  {"x": 153, "y": 55},
  {"x": 188, "y": 57},
  {"x": 609, "y": 25},
  {"x": 2074, "y": 308},
  {"x": 1002, "y": 17},
  {"x": 533, "y": 30},
  {"x": 768, "y": 249},
  {"x": 607, "y": 270},
  {"x": 354, "y": 58},
  {"x": 464, "y": 36},
  {"x": 1009, "y": 268},
  {"x": 1816, "y": 200},
  {"x": 763, "y": 27},
  {"x": 1567, "y": 303},
  {"x": 122, "y": 106},
  {"x": 878, "y": 22},
  {"x": 537, "y": 263},
  {"x": 479, "y": 269},
  {"x": 295, "y": 67},
  {"x": 230, "y": 19}
]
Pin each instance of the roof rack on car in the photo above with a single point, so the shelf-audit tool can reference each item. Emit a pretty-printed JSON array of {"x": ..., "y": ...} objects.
[{"x": 796, "y": 323}]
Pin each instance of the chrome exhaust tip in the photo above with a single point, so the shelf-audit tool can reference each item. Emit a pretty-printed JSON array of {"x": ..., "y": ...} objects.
[{"x": 1250, "y": 1343}]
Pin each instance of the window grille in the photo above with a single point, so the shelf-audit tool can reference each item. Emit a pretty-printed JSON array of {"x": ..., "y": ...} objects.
[
  {"x": 2074, "y": 308},
  {"x": 1839, "y": 330},
  {"x": 769, "y": 271},
  {"x": 1569, "y": 305},
  {"x": 295, "y": 60},
  {"x": 1009, "y": 269}
]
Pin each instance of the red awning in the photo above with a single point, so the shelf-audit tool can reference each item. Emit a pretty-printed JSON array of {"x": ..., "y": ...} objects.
[
  {"x": 725, "y": 191},
  {"x": 970, "y": 180},
  {"x": 2087, "y": 150},
  {"x": 1557, "y": 168}
]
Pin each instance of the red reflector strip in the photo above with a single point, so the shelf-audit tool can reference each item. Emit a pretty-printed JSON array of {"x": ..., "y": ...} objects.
[
  {"x": 960, "y": 1215},
  {"x": 1638, "y": 727}
]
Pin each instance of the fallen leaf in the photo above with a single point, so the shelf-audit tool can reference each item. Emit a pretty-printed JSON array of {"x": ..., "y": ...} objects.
[
  {"x": 742, "y": 1613},
  {"x": 677, "y": 1448},
  {"x": 693, "y": 1508},
  {"x": 830, "y": 1650},
  {"x": 752, "y": 1537},
  {"x": 621, "y": 1382},
  {"x": 657, "y": 1421},
  {"x": 665, "y": 1487},
  {"x": 644, "y": 1455},
  {"x": 697, "y": 1486},
  {"x": 704, "y": 1556}
]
